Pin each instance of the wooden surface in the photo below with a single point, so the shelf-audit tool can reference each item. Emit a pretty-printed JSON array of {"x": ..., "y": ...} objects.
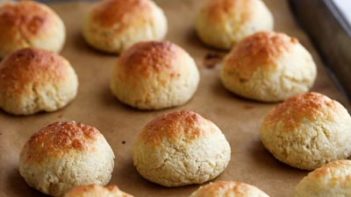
[{"x": 238, "y": 118}]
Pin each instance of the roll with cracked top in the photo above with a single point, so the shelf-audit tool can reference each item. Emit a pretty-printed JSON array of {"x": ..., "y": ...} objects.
[
  {"x": 307, "y": 131},
  {"x": 96, "y": 191},
  {"x": 269, "y": 67},
  {"x": 228, "y": 188},
  {"x": 154, "y": 75},
  {"x": 34, "y": 80},
  {"x": 181, "y": 148},
  {"x": 223, "y": 23},
  {"x": 332, "y": 179},
  {"x": 114, "y": 25},
  {"x": 29, "y": 24},
  {"x": 63, "y": 155}
]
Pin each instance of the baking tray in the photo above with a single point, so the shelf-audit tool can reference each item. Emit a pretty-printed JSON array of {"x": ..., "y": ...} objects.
[
  {"x": 330, "y": 33},
  {"x": 238, "y": 118}
]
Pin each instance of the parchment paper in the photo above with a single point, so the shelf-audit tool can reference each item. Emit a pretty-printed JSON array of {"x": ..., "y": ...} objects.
[{"x": 238, "y": 118}]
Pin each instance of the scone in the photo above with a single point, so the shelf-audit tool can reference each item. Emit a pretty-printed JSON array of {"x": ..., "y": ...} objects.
[
  {"x": 181, "y": 148},
  {"x": 114, "y": 25},
  {"x": 154, "y": 75},
  {"x": 34, "y": 80},
  {"x": 29, "y": 24},
  {"x": 228, "y": 188},
  {"x": 223, "y": 23},
  {"x": 63, "y": 155},
  {"x": 268, "y": 66},
  {"x": 96, "y": 191},
  {"x": 308, "y": 131},
  {"x": 330, "y": 180}
]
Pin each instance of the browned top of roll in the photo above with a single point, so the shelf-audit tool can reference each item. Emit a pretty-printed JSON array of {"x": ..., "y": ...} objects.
[
  {"x": 306, "y": 106},
  {"x": 31, "y": 66},
  {"x": 260, "y": 50},
  {"x": 58, "y": 138},
  {"x": 108, "y": 12},
  {"x": 146, "y": 58},
  {"x": 28, "y": 18}
]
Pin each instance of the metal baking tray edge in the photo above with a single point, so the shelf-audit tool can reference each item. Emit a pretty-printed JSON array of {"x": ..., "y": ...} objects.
[{"x": 331, "y": 34}]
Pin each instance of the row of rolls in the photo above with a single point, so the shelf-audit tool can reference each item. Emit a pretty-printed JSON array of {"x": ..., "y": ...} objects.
[
  {"x": 262, "y": 65},
  {"x": 307, "y": 130}
]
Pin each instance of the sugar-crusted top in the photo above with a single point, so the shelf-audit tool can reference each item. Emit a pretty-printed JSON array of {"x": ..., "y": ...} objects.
[
  {"x": 147, "y": 58},
  {"x": 59, "y": 138},
  {"x": 261, "y": 50},
  {"x": 108, "y": 13},
  {"x": 28, "y": 18},
  {"x": 187, "y": 125},
  {"x": 31, "y": 66},
  {"x": 308, "y": 106}
]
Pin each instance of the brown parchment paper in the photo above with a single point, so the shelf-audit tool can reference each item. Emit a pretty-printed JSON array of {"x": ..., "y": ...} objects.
[{"x": 238, "y": 118}]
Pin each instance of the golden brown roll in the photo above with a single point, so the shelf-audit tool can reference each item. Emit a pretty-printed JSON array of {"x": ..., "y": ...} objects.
[
  {"x": 268, "y": 66},
  {"x": 29, "y": 24},
  {"x": 34, "y": 80},
  {"x": 64, "y": 155},
  {"x": 114, "y": 25},
  {"x": 181, "y": 148},
  {"x": 307, "y": 131},
  {"x": 154, "y": 75},
  {"x": 223, "y": 23},
  {"x": 332, "y": 179}
]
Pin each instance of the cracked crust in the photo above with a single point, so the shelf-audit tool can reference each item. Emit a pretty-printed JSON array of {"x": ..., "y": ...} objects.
[
  {"x": 223, "y": 23},
  {"x": 332, "y": 179},
  {"x": 56, "y": 139},
  {"x": 29, "y": 24},
  {"x": 309, "y": 106},
  {"x": 33, "y": 80},
  {"x": 181, "y": 148},
  {"x": 145, "y": 59},
  {"x": 172, "y": 127},
  {"x": 114, "y": 25},
  {"x": 261, "y": 50},
  {"x": 96, "y": 191},
  {"x": 308, "y": 131},
  {"x": 268, "y": 66},
  {"x": 161, "y": 75},
  {"x": 228, "y": 188},
  {"x": 63, "y": 155}
]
